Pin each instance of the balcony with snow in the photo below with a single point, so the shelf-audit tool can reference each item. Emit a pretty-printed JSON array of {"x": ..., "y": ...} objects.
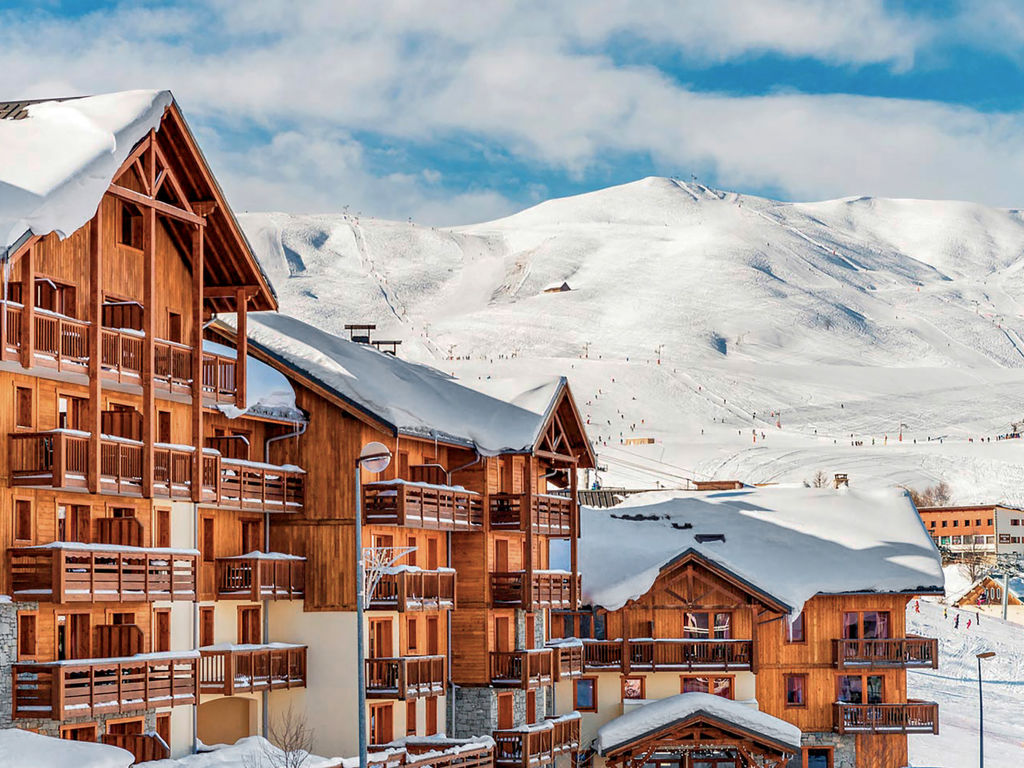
[
  {"x": 405, "y": 677},
  {"x": 912, "y": 716},
  {"x": 545, "y": 589},
  {"x": 415, "y": 504},
  {"x": 230, "y": 668},
  {"x": 667, "y": 654},
  {"x": 551, "y": 515},
  {"x": 906, "y": 652},
  {"x": 538, "y": 743},
  {"x": 409, "y": 588},
  {"x": 530, "y": 668},
  {"x": 261, "y": 576}
]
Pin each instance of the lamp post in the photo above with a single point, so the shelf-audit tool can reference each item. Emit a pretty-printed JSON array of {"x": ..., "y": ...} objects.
[
  {"x": 375, "y": 457},
  {"x": 981, "y": 711}
]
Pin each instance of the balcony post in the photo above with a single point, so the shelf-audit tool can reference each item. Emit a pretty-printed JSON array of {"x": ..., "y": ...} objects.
[
  {"x": 95, "y": 347},
  {"x": 59, "y": 459},
  {"x": 197, "y": 364},
  {"x": 528, "y": 596},
  {"x": 28, "y": 312},
  {"x": 149, "y": 327},
  {"x": 242, "y": 348},
  {"x": 574, "y": 592}
]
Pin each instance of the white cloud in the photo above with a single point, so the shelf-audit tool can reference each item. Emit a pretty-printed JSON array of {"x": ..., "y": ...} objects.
[{"x": 528, "y": 77}]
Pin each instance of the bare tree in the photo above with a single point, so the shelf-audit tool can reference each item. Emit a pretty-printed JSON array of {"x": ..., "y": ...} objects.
[
  {"x": 820, "y": 479},
  {"x": 973, "y": 559},
  {"x": 289, "y": 745},
  {"x": 938, "y": 495}
]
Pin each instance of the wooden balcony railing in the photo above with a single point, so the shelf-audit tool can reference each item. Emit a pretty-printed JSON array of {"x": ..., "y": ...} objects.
[
  {"x": 219, "y": 372},
  {"x": 70, "y": 572},
  {"x": 405, "y": 677},
  {"x": 231, "y": 669},
  {"x": 261, "y": 576},
  {"x": 910, "y": 717},
  {"x": 90, "y": 687},
  {"x": 121, "y": 354},
  {"x": 144, "y": 746},
  {"x": 667, "y": 655},
  {"x": 910, "y": 651},
  {"x": 418, "y": 505},
  {"x": 549, "y": 589},
  {"x": 61, "y": 341},
  {"x": 251, "y": 485},
  {"x": 434, "y": 753},
  {"x": 552, "y": 515},
  {"x": 414, "y": 590},
  {"x": 568, "y": 659},
  {"x": 523, "y": 669},
  {"x": 538, "y": 744}
]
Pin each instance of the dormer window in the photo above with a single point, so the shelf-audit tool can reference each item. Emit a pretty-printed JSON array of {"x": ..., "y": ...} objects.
[{"x": 131, "y": 226}]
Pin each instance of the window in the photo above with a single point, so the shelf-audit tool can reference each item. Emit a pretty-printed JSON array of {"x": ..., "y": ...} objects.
[
  {"x": 977, "y": 522},
  {"x": 206, "y": 626},
  {"x": 163, "y": 727},
  {"x": 989, "y": 521},
  {"x": 207, "y": 543},
  {"x": 23, "y": 520},
  {"x": 70, "y": 412},
  {"x": 796, "y": 687},
  {"x": 505, "y": 716},
  {"x": 704, "y": 625},
  {"x": 163, "y": 431},
  {"x": 382, "y": 728},
  {"x": 718, "y": 686},
  {"x": 852, "y": 689},
  {"x": 967, "y": 523},
  {"x": 585, "y": 694},
  {"x": 956, "y": 523},
  {"x": 23, "y": 403},
  {"x": 867, "y": 625},
  {"x": 119, "y": 619},
  {"x": 795, "y": 630},
  {"x": 73, "y": 523},
  {"x": 410, "y": 717},
  {"x": 174, "y": 327},
  {"x": 163, "y": 528},
  {"x": 412, "y": 639},
  {"x": 250, "y": 629},
  {"x": 85, "y": 732},
  {"x": 413, "y": 545},
  {"x": 431, "y": 707},
  {"x": 432, "y": 559},
  {"x": 817, "y": 757},
  {"x": 26, "y": 635},
  {"x": 633, "y": 687},
  {"x": 161, "y": 630},
  {"x": 55, "y": 297},
  {"x": 1015, "y": 521},
  {"x": 131, "y": 226},
  {"x": 531, "y": 707},
  {"x": 133, "y": 725},
  {"x": 251, "y": 539},
  {"x": 944, "y": 523}
]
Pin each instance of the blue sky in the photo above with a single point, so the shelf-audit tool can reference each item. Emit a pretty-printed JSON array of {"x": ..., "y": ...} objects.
[{"x": 448, "y": 112}]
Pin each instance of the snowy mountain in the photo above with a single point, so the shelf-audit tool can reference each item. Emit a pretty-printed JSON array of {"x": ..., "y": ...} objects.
[{"x": 847, "y": 317}]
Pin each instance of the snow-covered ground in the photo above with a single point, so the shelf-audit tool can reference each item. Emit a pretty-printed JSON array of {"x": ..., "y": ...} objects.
[
  {"x": 819, "y": 325},
  {"x": 954, "y": 685}
]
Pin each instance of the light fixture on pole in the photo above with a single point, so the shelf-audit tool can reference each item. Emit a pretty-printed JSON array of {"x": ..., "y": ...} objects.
[
  {"x": 981, "y": 711},
  {"x": 375, "y": 457}
]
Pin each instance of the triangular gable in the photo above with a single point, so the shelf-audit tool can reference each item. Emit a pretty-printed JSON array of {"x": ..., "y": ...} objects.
[
  {"x": 562, "y": 436},
  {"x": 693, "y": 578}
]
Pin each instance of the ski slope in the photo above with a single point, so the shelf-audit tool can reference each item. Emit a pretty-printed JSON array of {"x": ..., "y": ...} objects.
[
  {"x": 954, "y": 685},
  {"x": 698, "y": 316}
]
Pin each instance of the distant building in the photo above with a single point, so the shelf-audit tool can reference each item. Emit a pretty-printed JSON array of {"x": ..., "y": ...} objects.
[
  {"x": 994, "y": 529},
  {"x": 718, "y": 485},
  {"x": 986, "y": 596},
  {"x": 558, "y": 288}
]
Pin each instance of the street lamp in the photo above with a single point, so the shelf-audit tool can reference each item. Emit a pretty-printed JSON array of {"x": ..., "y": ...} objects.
[
  {"x": 375, "y": 457},
  {"x": 981, "y": 711}
]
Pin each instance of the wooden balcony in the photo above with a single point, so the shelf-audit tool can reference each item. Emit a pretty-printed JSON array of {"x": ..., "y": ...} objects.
[
  {"x": 683, "y": 655},
  {"x": 405, "y": 677},
  {"x": 250, "y": 485},
  {"x": 261, "y": 576},
  {"x": 549, "y": 589},
  {"x": 552, "y": 515},
  {"x": 143, "y": 746},
  {"x": 523, "y": 669},
  {"x": 420, "y": 505},
  {"x": 910, "y": 652},
  {"x": 229, "y": 669},
  {"x": 538, "y": 744},
  {"x": 435, "y": 753},
  {"x": 911, "y": 717},
  {"x": 414, "y": 590},
  {"x": 90, "y": 687},
  {"x": 568, "y": 659},
  {"x": 68, "y": 572}
]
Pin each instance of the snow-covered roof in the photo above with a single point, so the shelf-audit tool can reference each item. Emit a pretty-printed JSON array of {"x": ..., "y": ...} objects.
[
  {"x": 56, "y": 163},
  {"x": 656, "y": 715},
  {"x": 959, "y": 585},
  {"x": 267, "y": 391},
  {"x": 789, "y": 542},
  {"x": 25, "y": 749},
  {"x": 412, "y": 399}
]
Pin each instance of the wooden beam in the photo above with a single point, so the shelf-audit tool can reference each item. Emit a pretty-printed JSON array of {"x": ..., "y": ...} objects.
[
  {"x": 158, "y": 205},
  {"x": 574, "y": 533},
  {"x": 205, "y": 208},
  {"x": 555, "y": 456},
  {"x": 528, "y": 511},
  {"x": 129, "y": 162},
  {"x": 172, "y": 180},
  {"x": 149, "y": 343},
  {"x": 229, "y": 291},
  {"x": 28, "y": 312},
  {"x": 242, "y": 348},
  {"x": 95, "y": 347},
  {"x": 198, "y": 245}
]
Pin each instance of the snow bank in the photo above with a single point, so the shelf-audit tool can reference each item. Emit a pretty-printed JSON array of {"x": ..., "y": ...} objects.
[
  {"x": 24, "y": 749},
  {"x": 244, "y": 753},
  {"x": 414, "y": 399},
  {"x": 792, "y": 543},
  {"x": 663, "y": 712},
  {"x": 56, "y": 163},
  {"x": 267, "y": 390}
]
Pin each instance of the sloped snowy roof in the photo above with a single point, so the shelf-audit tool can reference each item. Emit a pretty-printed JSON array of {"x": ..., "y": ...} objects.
[
  {"x": 660, "y": 714},
  {"x": 790, "y": 542},
  {"x": 56, "y": 163},
  {"x": 267, "y": 391},
  {"x": 412, "y": 399},
  {"x": 24, "y": 749}
]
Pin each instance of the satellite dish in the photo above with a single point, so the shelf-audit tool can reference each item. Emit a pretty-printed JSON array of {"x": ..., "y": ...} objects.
[{"x": 375, "y": 457}]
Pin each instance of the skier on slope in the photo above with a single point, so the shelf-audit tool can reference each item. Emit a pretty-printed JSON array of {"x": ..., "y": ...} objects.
[{"x": 956, "y": 621}]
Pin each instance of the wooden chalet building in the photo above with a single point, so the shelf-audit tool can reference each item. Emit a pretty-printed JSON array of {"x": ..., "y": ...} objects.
[
  {"x": 788, "y": 603},
  {"x": 135, "y": 486},
  {"x": 459, "y": 525}
]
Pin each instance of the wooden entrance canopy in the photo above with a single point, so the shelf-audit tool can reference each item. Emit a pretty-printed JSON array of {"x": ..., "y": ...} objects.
[{"x": 701, "y": 737}]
